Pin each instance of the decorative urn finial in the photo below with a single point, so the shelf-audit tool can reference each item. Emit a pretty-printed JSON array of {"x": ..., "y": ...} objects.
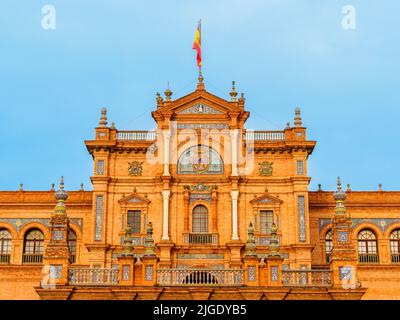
[
  {"x": 250, "y": 243},
  {"x": 103, "y": 118},
  {"x": 233, "y": 93},
  {"x": 340, "y": 196},
  {"x": 168, "y": 94},
  {"x": 61, "y": 196},
  {"x": 297, "y": 118}
]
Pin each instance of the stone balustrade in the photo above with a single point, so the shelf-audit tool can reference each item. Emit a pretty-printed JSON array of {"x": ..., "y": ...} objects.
[
  {"x": 200, "y": 277},
  {"x": 306, "y": 278},
  {"x": 93, "y": 276},
  {"x": 265, "y": 135},
  {"x": 137, "y": 135}
]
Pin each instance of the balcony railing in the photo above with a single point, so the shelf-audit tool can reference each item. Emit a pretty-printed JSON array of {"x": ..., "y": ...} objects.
[
  {"x": 32, "y": 258},
  {"x": 200, "y": 277},
  {"x": 395, "y": 258},
  {"x": 201, "y": 238},
  {"x": 93, "y": 276},
  {"x": 5, "y": 258},
  {"x": 137, "y": 135},
  {"x": 306, "y": 278},
  {"x": 265, "y": 135},
  {"x": 368, "y": 258}
]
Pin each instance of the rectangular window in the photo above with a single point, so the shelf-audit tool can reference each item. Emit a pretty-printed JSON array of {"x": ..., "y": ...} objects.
[
  {"x": 300, "y": 167},
  {"x": 99, "y": 218},
  {"x": 302, "y": 218},
  {"x": 100, "y": 167},
  {"x": 134, "y": 220},
  {"x": 266, "y": 220}
]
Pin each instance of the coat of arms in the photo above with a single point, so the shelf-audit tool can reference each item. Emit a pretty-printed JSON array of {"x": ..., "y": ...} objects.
[
  {"x": 265, "y": 168},
  {"x": 135, "y": 168}
]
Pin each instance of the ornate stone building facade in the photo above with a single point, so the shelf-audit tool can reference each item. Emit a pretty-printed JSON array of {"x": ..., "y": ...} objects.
[{"x": 199, "y": 208}]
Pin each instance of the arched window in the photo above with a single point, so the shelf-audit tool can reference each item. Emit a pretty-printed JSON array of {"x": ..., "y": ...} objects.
[
  {"x": 33, "y": 247},
  {"x": 200, "y": 219},
  {"x": 395, "y": 246},
  {"x": 367, "y": 247},
  {"x": 328, "y": 245},
  {"x": 72, "y": 246},
  {"x": 200, "y": 160},
  {"x": 5, "y": 246}
]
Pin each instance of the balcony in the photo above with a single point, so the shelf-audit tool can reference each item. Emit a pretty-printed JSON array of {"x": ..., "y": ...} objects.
[
  {"x": 93, "y": 277},
  {"x": 137, "y": 135},
  {"x": 265, "y": 135},
  {"x": 200, "y": 238},
  {"x": 368, "y": 258},
  {"x": 5, "y": 258},
  {"x": 395, "y": 258},
  {"x": 28, "y": 258},
  {"x": 306, "y": 278},
  {"x": 200, "y": 277}
]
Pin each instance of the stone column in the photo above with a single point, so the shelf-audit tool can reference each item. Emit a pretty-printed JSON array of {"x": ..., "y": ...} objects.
[
  {"x": 166, "y": 135},
  {"x": 234, "y": 134},
  {"x": 166, "y": 194},
  {"x": 235, "y": 195}
]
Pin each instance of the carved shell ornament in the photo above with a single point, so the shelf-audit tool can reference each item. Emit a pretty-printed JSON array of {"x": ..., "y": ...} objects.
[
  {"x": 265, "y": 168},
  {"x": 135, "y": 168}
]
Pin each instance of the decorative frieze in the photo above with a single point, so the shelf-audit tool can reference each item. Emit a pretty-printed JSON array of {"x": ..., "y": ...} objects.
[
  {"x": 202, "y": 126},
  {"x": 199, "y": 109},
  {"x": 199, "y": 256},
  {"x": 19, "y": 223},
  {"x": 382, "y": 223}
]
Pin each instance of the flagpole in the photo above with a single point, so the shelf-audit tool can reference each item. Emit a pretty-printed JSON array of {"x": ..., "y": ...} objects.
[{"x": 200, "y": 47}]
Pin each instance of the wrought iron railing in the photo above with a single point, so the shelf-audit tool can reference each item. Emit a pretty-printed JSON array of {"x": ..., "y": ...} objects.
[
  {"x": 137, "y": 135},
  {"x": 368, "y": 258},
  {"x": 395, "y": 258},
  {"x": 265, "y": 135},
  {"x": 32, "y": 258},
  {"x": 200, "y": 277},
  {"x": 201, "y": 238},
  {"x": 5, "y": 258},
  {"x": 307, "y": 278},
  {"x": 93, "y": 276}
]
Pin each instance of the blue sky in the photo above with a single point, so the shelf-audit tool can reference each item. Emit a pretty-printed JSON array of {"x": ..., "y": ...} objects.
[{"x": 118, "y": 54}]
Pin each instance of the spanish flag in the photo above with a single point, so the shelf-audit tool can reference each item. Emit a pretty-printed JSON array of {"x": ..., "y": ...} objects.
[{"x": 197, "y": 44}]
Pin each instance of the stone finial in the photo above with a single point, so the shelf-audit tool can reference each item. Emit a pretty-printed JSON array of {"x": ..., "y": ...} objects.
[
  {"x": 287, "y": 125},
  {"x": 52, "y": 187},
  {"x": 380, "y": 187},
  {"x": 149, "y": 248},
  {"x": 113, "y": 125},
  {"x": 200, "y": 84},
  {"x": 319, "y": 187},
  {"x": 168, "y": 94},
  {"x": 274, "y": 243},
  {"x": 81, "y": 187},
  {"x": 241, "y": 99},
  {"x": 103, "y": 118},
  {"x": 250, "y": 243},
  {"x": 159, "y": 99},
  {"x": 340, "y": 196},
  {"x": 61, "y": 196},
  {"x": 297, "y": 118},
  {"x": 348, "y": 187},
  {"x": 233, "y": 93},
  {"x": 21, "y": 187}
]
